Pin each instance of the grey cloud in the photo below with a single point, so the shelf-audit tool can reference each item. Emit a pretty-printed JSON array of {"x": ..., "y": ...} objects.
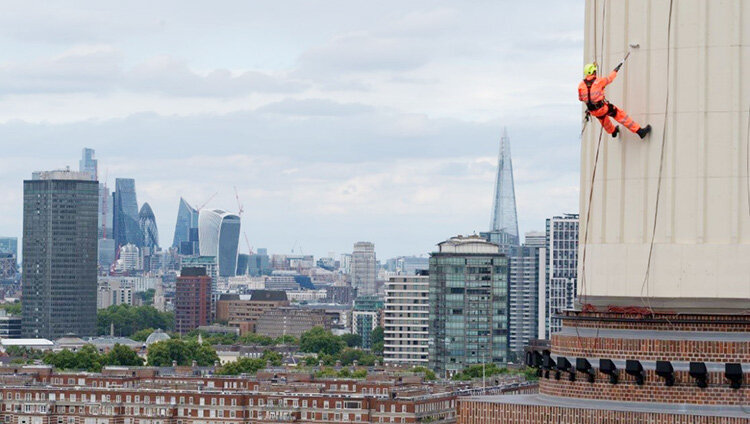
[
  {"x": 363, "y": 52},
  {"x": 95, "y": 69},
  {"x": 314, "y": 107},
  {"x": 84, "y": 69},
  {"x": 170, "y": 76},
  {"x": 68, "y": 22}
]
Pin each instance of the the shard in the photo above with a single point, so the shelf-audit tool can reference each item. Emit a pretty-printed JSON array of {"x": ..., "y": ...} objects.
[{"x": 504, "y": 226}]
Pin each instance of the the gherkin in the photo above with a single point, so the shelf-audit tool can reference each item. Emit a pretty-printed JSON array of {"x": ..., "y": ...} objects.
[
  {"x": 504, "y": 225},
  {"x": 147, "y": 222}
]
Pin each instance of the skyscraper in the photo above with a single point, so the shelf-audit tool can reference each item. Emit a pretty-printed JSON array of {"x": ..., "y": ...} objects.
[
  {"x": 468, "y": 305},
  {"x": 125, "y": 210},
  {"x": 105, "y": 212},
  {"x": 88, "y": 164},
  {"x": 504, "y": 223},
  {"x": 561, "y": 270},
  {"x": 219, "y": 237},
  {"x": 59, "y": 254},
  {"x": 363, "y": 269},
  {"x": 187, "y": 218},
  {"x": 147, "y": 224}
]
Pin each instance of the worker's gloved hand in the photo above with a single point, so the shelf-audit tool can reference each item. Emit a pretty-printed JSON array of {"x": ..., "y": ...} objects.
[{"x": 617, "y": 68}]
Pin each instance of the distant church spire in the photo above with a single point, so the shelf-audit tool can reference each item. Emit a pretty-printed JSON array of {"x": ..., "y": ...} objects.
[{"x": 504, "y": 219}]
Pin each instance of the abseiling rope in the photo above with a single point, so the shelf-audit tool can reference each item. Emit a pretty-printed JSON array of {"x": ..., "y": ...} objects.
[
  {"x": 747, "y": 162},
  {"x": 591, "y": 189},
  {"x": 596, "y": 160},
  {"x": 646, "y": 301}
]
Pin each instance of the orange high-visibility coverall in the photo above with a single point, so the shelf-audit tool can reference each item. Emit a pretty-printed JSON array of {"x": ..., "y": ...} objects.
[{"x": 591, "y": 92}]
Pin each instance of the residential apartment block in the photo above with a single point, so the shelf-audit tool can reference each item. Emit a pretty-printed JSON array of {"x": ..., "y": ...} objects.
[{"x": 407, "y": 320}]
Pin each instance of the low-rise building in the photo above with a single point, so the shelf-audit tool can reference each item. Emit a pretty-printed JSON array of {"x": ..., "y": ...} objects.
[
  {"x": 10, "y": 326},
  {"x": 291, "y": 321},
  {"x": 33, "y": 394},
  {"x": 242, "y": 311}
]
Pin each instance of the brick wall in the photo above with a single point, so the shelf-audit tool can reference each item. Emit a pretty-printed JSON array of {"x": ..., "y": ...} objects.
[
  {"x": 684, "y": 390},
  {"x": 650, "y": 349},
  {"x": 478, "y": 412},
  {"x": 724, "y": 323}
]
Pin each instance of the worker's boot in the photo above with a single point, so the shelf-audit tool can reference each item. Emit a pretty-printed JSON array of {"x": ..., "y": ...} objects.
[
  {"x": 643, "y": 132},
  {"x": 615, "y": 132}
]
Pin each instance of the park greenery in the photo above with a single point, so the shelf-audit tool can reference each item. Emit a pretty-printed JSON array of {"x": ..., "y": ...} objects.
[
  {"x": 476, "y": 372},
  {"x": 426, "y": 372},
  {"x": 352, "y": 340},
  {"x": 89, "y": 359},
  {"x": 182, "y": 352},
  {"x": 129, "y": 320},
  {"x": 251, "y": 365},
  {"x": 342, "y": 373},
  {"x": 12, "y": 308}
]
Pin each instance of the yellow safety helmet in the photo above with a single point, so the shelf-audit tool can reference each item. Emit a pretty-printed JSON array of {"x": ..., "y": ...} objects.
[{"x": 589, "y": 69}]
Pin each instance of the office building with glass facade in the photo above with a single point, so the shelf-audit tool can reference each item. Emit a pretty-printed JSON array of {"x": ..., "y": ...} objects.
[
  {"x": 126, "y": 229},
  {"x": 219, "y": 236},
  {"x": 468, "y": 298}
]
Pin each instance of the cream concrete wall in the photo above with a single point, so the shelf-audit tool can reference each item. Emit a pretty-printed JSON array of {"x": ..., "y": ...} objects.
[{"x": 702, "y": 242}]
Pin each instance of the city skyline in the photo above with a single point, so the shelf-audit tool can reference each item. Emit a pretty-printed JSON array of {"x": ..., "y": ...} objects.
[{"x": 321, "y": 123}]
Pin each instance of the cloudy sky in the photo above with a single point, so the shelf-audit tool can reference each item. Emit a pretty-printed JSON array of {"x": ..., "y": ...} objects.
[{"x": 337, "y": 121}]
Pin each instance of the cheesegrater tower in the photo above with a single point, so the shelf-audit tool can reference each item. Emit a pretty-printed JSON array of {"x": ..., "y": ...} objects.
[{"x": 661, "y": 332}]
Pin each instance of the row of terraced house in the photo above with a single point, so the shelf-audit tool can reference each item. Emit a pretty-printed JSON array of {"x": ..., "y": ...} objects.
[{"x": 122, "y": 395}]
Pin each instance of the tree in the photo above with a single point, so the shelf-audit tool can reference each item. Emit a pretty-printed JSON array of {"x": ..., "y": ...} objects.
[
  {"x": 477, "y": 371},
  {"x": 378, "y": 341},
  {"x": 252, "y": 338},
  {"x": 274, "y": 358},
  {"x": 142, "y": 335},
  {"x": 319, "y": 340},
  {"x": 13, "y": 308},
  {"x": 161, "y": 354},
  {"x": 243, "y": 366},
  {"x": 287, "y": 339},
  {"x": 212, "y": 338},
  {"x": 65, "y": 359},
  {"x": 352, "y": 340},
  {"x": 428, "y": 373},
  {"x": 310, "y": 361},
  {"x": 87, "y": 358},
  {"x": 24, "y": 352},
  {"x": 349, "y": 355},
  {"x": 122, "y": 355},
  {"x": 128, "y": 320},
  {"x": 147, "y": 297}
]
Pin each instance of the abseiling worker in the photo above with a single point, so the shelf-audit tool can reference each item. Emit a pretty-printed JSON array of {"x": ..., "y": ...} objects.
[{"x": 591, "y": 92}]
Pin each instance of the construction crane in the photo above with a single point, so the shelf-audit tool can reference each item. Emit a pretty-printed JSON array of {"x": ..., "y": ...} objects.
[
  {"x": 247, "y": 241},
  {"x": 240, "y": 210},
  {"x": 203, "y": 205}
]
